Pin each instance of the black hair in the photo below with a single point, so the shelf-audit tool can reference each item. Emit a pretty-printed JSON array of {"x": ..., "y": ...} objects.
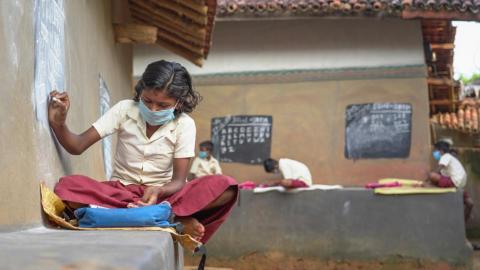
[
  {"x": 270, "y": 164},
  {"x": 442, "y": 146},
  {"x": 174, "y": 79},
  {"x": 207, "y": 144},
  {"x": 470, "y": 93}
]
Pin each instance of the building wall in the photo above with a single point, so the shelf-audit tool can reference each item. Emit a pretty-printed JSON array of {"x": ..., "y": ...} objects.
[
  {"x": 29, "y": 154},
  {"x": 301, "y": 44},
  {"x": 304, "y": 73},
  {"x": 309, "y": 125},
  {"x": 19, "y": 194}
]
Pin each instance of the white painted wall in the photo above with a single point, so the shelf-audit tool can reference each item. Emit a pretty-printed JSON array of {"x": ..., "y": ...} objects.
[{"x": 301, "y": 44}]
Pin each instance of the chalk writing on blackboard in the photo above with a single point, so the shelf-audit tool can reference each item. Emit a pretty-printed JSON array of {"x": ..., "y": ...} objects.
[
  {"x": 378, "y": 130},
  {"x": 242, "y": 138}
]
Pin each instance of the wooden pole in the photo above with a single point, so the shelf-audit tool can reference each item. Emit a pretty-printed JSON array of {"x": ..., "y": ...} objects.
[
  {"x": 440, "y": 81},
  {"x": 178, "y": 34},
  {"x": 188, "y": 46},
  {"x": 180, "y": 10},
  {"x": 198, "y": 7},
  {"x": 135, "y": 33},
  {"x": 442, "y": 46},
  {"x": 171, "y": 17},
  {"x": 197, "y": 60}
]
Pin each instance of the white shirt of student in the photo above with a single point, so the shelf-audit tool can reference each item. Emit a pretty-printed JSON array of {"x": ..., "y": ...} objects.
[
  {"x": 292, "y": 169},
  {"x": 142, "y": 160},
  {"x": 454, "y": 169},
  {"x": 202, "y": 166}
]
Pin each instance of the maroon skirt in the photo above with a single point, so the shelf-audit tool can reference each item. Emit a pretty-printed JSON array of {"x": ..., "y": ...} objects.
[{"x": 189, "y": 201}]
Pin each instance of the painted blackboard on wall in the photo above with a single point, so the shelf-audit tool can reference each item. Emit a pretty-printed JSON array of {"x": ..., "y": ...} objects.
[
  {"x": 378, "y": 130},
  {"x": 242, "y": 138}
]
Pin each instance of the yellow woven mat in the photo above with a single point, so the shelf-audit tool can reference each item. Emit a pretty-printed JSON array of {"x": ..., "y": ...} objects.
[
  {"x": 403, "y": 182},
  {"x": 412, "y": 190},
  {"x": 53, "y": 207}
]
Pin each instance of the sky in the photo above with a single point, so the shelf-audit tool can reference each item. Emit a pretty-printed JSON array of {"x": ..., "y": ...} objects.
[{"x": 466, "y": 58}]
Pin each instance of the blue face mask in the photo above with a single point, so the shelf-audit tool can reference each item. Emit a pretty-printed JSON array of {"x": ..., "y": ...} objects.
[
  {"x": 437, "y": 155},
  {"x": 155, "y": 118},
  {"x": 202, "y": 154}
]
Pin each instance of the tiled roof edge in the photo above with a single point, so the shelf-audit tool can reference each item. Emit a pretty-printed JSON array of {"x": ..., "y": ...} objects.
[{"x": 318, "y": 8}]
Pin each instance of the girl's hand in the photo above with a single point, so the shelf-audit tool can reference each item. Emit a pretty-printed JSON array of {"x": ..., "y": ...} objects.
[
  {"x": 150, "y": 196},
  {"x": 58, "y": 108}
]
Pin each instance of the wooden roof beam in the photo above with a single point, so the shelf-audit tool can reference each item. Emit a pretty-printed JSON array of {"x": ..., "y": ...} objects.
[
  {"x": 194, "y": 58},
  {"x": 142, "y": 16},
  {"x": 198, "y": 7},
  {"x": 440, "y": 81},
  {"x": 443, "y": 102},
  {"x": 135, "y": 33},
  {"x": 174, "y": 31},
  {"x": 182, "y": 11},
  {"x": 193, "y": 28},
  {"x": 442, "y": 46}
]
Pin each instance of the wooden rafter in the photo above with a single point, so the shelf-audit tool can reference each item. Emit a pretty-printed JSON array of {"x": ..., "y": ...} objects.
[
  {"x": 183, "y": 27},
  {"x": 135, "y": 33}
]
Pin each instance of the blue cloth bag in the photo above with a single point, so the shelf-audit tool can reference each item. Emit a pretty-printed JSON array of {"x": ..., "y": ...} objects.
[{"x": 147, "y": 216}]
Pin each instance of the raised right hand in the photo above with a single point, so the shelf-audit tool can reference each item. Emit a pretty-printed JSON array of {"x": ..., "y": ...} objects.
[{"x": 58, "y": 108}]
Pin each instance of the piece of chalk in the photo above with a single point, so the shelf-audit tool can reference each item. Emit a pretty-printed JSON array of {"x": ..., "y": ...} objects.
[{"x": 56, "y": 100}]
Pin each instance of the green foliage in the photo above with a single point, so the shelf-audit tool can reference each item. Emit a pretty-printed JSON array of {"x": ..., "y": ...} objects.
[{"x": 466, "y": 80}]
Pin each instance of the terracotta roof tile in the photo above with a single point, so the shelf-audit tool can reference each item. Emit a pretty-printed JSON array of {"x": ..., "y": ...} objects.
[{"x": 453, "y": 9}]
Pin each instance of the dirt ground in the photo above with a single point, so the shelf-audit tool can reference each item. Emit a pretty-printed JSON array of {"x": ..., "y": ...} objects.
[
  {"x": 476, "y": 260},
  {"x": 278, "y": 261}
]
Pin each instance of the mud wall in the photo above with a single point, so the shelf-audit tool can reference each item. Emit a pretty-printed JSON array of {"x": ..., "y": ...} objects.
[
  {"x": 309, "y": 125},
  {"x": 29, "y": 154}
]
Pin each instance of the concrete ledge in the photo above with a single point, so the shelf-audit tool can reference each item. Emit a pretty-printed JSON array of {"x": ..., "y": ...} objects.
[
  {"x": 348, "y": 224},
  {"x": 62, "y": 249}
]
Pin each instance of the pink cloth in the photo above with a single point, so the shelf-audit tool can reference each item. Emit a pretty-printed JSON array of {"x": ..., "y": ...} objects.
[
  {"x": 445, "y": 182},
  {"x": 247, "y": 185},
  {"x": 296, "y": 183},
  {"x": 189, "y": 201},
  {"x": 378, "y": 185}
]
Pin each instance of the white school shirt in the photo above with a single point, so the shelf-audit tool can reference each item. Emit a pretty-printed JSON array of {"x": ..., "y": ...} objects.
[
  {"x": 292, "y": 169},
  {"x": 454, "y": 169},
  {"x": 202, "y": 166},
  {"x": 142, "y": 160}
]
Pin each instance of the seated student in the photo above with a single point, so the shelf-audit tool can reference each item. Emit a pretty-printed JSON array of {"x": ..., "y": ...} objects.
[
  {"x": 156, "y": 139},
  {"x": 205, "y": 163},
  {"x": 450, "y": 173},
  {"x": 294, "y": 173}
]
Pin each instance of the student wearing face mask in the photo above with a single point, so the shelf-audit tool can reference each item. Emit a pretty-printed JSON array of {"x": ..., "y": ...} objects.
[
  {"x": 450, "y": 173},
  {"x": 156, "y": 140},
  {"x": 205, "y": 163}
]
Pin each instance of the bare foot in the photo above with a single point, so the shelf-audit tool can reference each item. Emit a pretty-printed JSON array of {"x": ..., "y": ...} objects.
[
  {"x": 192, "y": 227},
  {"x": 75, "y": 205},
  {"x": 132, "y": 205}
]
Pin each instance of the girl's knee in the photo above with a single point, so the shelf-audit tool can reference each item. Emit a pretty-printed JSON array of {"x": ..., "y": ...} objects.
[{"x": 434, "y": 177}]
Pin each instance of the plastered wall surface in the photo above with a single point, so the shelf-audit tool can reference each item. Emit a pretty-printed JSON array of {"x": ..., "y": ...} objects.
[
  {"x": 91, "y": 50},
  {"x": 245, "y": 46},
  {"x": 309, "y": 125},
  {"x": 19, "y": 199},
  {"x": 29, "y": 154}
]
